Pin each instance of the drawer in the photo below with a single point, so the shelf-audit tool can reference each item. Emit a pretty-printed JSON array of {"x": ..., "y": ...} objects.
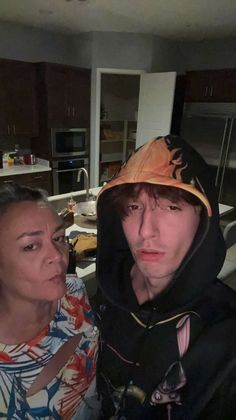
[{"x": 34, "y": 180}]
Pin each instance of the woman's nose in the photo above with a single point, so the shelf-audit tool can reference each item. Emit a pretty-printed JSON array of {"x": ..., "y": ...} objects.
[{"x": 54, "y": 254}]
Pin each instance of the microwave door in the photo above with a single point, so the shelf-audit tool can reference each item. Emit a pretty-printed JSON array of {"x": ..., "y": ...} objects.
[{"x": 68, "y": 142}]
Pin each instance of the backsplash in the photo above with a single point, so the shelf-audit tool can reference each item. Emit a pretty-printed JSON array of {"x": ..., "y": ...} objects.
[{"x": 7, "y": 145}]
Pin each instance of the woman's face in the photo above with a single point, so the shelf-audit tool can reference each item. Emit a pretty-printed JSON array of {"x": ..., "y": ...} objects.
[{"x": 33, "y": 253}]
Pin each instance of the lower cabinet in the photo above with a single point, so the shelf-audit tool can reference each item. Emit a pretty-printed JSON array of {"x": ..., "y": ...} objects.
[{"x": 36, "y": 180}]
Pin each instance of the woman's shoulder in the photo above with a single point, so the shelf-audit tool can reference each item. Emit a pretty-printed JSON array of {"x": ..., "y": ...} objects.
[
  {"x": 74, "y": 305},
  {"x": 75, "y": 286}
]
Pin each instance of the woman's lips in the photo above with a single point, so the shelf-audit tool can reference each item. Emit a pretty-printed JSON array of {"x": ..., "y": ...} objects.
[
  {"x": 149, "y": 255},
  {"x": 58, "y": 278}
]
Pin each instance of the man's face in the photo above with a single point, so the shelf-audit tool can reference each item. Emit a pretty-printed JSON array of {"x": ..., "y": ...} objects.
[
  {"x": 159, "y": 233},
  {"x": 33, "y": 253}
]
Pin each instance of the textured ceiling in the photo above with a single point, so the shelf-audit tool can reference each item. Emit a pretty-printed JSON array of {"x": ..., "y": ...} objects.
[{"x": 172, "y": 19}]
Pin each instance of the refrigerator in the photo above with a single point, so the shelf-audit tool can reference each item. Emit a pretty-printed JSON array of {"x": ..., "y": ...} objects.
[{"x": 211, "y": 129}]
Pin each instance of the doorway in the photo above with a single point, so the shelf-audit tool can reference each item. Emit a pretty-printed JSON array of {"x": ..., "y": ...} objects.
[
  {"x": 155, "y": 105},
  {"x": 96, "y": 101}
]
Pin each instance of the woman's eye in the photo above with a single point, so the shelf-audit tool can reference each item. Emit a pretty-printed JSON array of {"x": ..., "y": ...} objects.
[
  {"x": 30, "y": 247},
  {"x": 61, "y": 239}
]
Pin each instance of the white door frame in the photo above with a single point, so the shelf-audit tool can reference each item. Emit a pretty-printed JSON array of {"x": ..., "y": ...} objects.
[{"x": 95, "y": 117}]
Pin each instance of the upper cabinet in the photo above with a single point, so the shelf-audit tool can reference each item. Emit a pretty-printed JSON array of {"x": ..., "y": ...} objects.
[
  {"x": 211, "y": 86},
  {"x": 18, "y": 107},
  {"x": 64, "y": 95}
]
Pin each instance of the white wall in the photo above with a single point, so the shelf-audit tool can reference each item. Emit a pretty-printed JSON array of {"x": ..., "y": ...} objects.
[
  {"x": 122, "y": 50},
  {"x": 215, "y": 54},
  {"x": 29, "y": 44},
  {"x": 167, "y": 56},
  {"x": 111, "y": 49},
  {"x": 81, "y": 50}
]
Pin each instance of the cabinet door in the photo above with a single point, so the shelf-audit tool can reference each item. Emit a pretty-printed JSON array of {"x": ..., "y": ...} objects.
[
  {"x": 198, "y": 86},
  {"x": 225, "y": 86},
  {"x": 4, "y": 125},
  {"x": 79, "y": 97},
  {"x": 211, "y": 86},
  {"x": 19, "y": 93},
  {"x": 55, "y": 79},
  {"x": 35, "y": 180}
]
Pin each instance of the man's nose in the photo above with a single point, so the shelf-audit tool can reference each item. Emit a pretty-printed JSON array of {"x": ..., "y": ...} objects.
[{"x": 149, "y": 224}]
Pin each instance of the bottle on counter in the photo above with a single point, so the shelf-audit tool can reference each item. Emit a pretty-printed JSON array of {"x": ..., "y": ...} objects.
[
  {"x": 71, "y": 269},
  {"x": 10, "y": 158},
  {"x": 5, "y": 160},
  {"x": 71, "y": 204},
  {"x": 17, "y": 155}
]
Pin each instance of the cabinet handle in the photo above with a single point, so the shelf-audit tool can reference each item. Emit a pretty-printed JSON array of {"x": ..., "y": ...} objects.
[
  {"x": 38, "y": 177},
  {"x": 8, "y": 181},
  {"x": 211, "y": 90},
  {"x": 14, "y": 129},
  {"x": 206, "y": 91},
  {"x": 8, "y": 129}
]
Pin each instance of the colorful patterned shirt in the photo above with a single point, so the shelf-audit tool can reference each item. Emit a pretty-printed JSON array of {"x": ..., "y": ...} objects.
[{"x": 20, "y": 364}]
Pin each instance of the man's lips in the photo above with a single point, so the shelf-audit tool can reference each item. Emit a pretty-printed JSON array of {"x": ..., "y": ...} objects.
[{"x": 148, "y": 254}]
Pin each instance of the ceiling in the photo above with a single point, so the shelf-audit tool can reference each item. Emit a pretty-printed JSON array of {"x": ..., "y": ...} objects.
[{"x": 171, "y": 19}]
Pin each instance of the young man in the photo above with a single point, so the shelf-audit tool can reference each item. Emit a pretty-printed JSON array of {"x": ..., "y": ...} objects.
[{"x": 168, "y": 326}]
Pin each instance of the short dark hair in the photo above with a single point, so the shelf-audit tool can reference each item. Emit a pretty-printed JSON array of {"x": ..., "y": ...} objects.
[
  {"x": 120, "y": 194},
  {"x": 13, "y": 193}
]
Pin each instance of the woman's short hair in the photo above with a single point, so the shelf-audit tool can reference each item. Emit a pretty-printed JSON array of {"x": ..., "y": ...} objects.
[
  {"x": 13, "y": 193},
  {"x": 120, "y": 194}
]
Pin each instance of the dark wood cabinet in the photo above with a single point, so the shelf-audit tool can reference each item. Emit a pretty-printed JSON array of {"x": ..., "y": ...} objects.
[
  {"x": 18, "y": 106},
  {"x": 34, "y": 179},
  {"x": 211, "y": 86},
  {"x": 64, "y": 93}
]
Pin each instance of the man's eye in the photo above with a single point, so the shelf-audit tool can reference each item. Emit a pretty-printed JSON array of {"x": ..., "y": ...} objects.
[
  {"x": 173, "y": 208},
  {"x": 134, "y": 207}
]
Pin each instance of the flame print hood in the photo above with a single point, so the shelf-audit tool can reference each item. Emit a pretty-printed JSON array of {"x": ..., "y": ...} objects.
[{"x": 168, "y": 161}]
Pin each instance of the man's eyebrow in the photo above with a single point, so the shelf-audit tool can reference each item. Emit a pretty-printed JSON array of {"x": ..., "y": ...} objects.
[{"x": 40, "y": 232}]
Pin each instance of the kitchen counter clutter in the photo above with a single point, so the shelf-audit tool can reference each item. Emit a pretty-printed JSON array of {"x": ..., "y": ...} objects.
[
  {"x": 41, "y": 166},
  {"x": 84, "y": 269},
  {"x": 35, "y": 176}
]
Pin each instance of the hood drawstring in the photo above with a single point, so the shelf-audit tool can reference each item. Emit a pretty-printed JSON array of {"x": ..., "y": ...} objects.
[{"x": 169, "y": 408}]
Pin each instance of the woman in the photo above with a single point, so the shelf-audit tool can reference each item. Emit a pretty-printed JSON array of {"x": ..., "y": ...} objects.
[{"x": 48, "y": 342}]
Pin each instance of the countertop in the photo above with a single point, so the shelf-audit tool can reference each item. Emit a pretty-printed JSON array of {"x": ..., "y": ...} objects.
[
  {"x": 84, "y": 270},
  {"x": 41, "y": 166}
]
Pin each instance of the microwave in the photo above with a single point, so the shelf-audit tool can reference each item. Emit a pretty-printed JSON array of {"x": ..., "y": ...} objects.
[{"x": 66, "y": 142}]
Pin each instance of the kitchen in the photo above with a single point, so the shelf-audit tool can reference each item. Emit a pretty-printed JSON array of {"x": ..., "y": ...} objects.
[{"x": 46, "y": 96}]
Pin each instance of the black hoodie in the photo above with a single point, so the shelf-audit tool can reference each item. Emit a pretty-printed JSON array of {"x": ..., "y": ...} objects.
[{"x": 173, "y": 357}]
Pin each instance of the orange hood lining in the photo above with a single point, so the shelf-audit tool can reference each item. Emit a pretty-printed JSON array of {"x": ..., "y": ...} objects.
[{"x": 151, "y": 178}]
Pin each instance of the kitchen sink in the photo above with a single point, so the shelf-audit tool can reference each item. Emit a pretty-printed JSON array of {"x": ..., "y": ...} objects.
[{"x": 61, "y": 203}]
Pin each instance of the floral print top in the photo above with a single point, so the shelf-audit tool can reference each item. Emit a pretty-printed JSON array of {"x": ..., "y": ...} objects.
[{"x": 20, "y": 364}]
